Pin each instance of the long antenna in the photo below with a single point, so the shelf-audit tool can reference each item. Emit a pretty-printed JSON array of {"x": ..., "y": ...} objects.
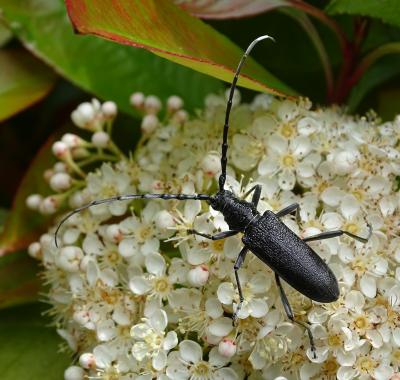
[
  {"x": 224, "y": 159},
  {"x": 126, "y": 197}
]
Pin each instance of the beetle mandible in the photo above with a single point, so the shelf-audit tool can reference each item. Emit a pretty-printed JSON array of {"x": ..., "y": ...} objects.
[{"x": 265, "y": 234}]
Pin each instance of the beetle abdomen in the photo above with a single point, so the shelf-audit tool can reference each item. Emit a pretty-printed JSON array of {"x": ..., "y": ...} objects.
[{"x": 291, "y": 258}]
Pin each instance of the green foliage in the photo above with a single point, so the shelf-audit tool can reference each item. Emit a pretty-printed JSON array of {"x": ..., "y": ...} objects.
[
  {"x": 385, "y": 10},
  {"x": 29, "y": 347},
  {"x": 109, "y": 71},
  {"x": 23, "y": 81},
  {"x": 22, "y": 225},
  {"x": 19, "y": 283},
  {"x": 5, "y": 35}
]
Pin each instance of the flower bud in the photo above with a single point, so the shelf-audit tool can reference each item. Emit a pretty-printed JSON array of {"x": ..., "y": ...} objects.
[
  {"x": 227, "y": 347},
  {"x": 76, "y": 200},
  {"x": 137, "y": 99},
  {"x": 35, "y": 250},
  {"x": 113, "y": 233},
  {"x": 81, "y": 317},
  {"x": 83, "y": 115},
  {"x": 74, "y": 373},
  {"x": 46, "y": 240},
  {"x": 47, "y": 174},
  {"x": 211, "y": 164},
  {"x": 87, "y": 360},
  {"x": 49, "y": 205},
  {"x": 33, "y": 201},
  {"x": 180, "y": 116},
  {"x": 60, "y": 167},
  {"x": 70, "y": 258},
  {"x": 109, "y": 109},
  {"x": 100, "y": 139},
  {"x": 60, "y": 149},
  {"x": 152, "y": 104},
  {"x": 198, "y": 276},
  {"x": 60, "y": 181},
  {"x": 149, "y": 124},
  {"x": 79, "y": 153},
  {"x": 174, "y": 103},
  {"x": 72, "y": 141}
]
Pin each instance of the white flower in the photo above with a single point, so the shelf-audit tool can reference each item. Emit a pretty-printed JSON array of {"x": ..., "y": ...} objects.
[
  {"x": 151, "y": 340},
  {"x": 142, "y": 274},
  {"x": 108, "y": 183},
  {"x": 254, "y": 292},
  {"x": 285, "y": 160},
  {"x": 188, "y": 363}
]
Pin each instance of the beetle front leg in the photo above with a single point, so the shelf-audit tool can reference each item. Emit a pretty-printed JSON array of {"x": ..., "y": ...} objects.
[
  {"x": 288, "y": 210},
  {"x": 218, "y": 236},
  {"x": 256, "y": 196},
  {"x": 290, "y": 315},
  {"x": 238, "y": 263}
]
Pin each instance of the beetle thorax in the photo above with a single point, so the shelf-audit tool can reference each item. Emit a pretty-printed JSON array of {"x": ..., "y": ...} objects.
[{"x": 237, "y": 212}]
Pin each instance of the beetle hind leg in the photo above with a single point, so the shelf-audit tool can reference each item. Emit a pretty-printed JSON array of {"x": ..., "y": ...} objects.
[
  {"x": 290, "y": 315},
  {"x": 331, "y": 234}
]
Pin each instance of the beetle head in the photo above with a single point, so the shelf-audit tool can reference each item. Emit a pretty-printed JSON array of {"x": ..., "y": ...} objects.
[{"x": 219, "y": 200}]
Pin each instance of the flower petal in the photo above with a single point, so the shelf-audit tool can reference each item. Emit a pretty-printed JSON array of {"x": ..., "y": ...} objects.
[{"x": 190, "y": 351}]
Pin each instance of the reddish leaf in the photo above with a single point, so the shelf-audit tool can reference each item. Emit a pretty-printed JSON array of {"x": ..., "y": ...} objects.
[
  {"x": 23, "y": 225},
  {"x": 19, "y": 282},
  {"x": 221, "y": 9},
  {"x": 168, "y": 31},
  {"x": 23, "y": 81}
]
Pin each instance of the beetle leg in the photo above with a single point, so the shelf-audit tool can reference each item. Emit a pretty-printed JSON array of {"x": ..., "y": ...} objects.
[
  {"x": 238, "y": 263},
  {"x": 290, "y": 315},
  {"x": 256, "y": 195},
  {"x": 288, "y": 210},
  {"x": 218, "y": 236},
  {"x": 331, "y": 234}
]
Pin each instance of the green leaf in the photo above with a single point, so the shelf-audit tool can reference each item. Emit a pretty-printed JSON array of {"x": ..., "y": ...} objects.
[
  {"x": 381, "y": 71},
  {"x": 5, "y": 34},
  {"x": 108, "y": 70},
  {"x": 385, "y": 10},
  {"x": 19, "y": 283},
  {"x": 23, "y": 225},
  {"x": 168, "y": 31},
  {"x": 23, "y": 81},
  {"x": 29, "y": 348}
]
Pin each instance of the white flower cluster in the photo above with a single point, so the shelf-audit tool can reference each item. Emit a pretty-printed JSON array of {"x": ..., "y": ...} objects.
[{"x": 137, "y": 297}]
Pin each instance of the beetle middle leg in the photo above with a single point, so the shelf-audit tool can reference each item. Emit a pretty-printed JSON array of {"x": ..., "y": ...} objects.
[
  {"x": 238, "y": 263},
  {"x": 290, "y": 315},
  {"x": 331, "y": 234}
]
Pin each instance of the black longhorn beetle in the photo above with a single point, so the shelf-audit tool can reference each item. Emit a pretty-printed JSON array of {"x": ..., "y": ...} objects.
[{"x": 265, "y": 235}]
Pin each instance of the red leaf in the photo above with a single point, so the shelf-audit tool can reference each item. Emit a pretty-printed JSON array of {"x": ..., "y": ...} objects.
[
  {"x": 23, "y": 225},
  {"x": 168, "y": 31}
]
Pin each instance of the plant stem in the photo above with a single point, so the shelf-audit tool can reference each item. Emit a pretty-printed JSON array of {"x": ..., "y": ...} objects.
[
  {"x": 350, "y": 59},
  {"x": 320, "y": 15},
  {"x": 372, "y": 57}
]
